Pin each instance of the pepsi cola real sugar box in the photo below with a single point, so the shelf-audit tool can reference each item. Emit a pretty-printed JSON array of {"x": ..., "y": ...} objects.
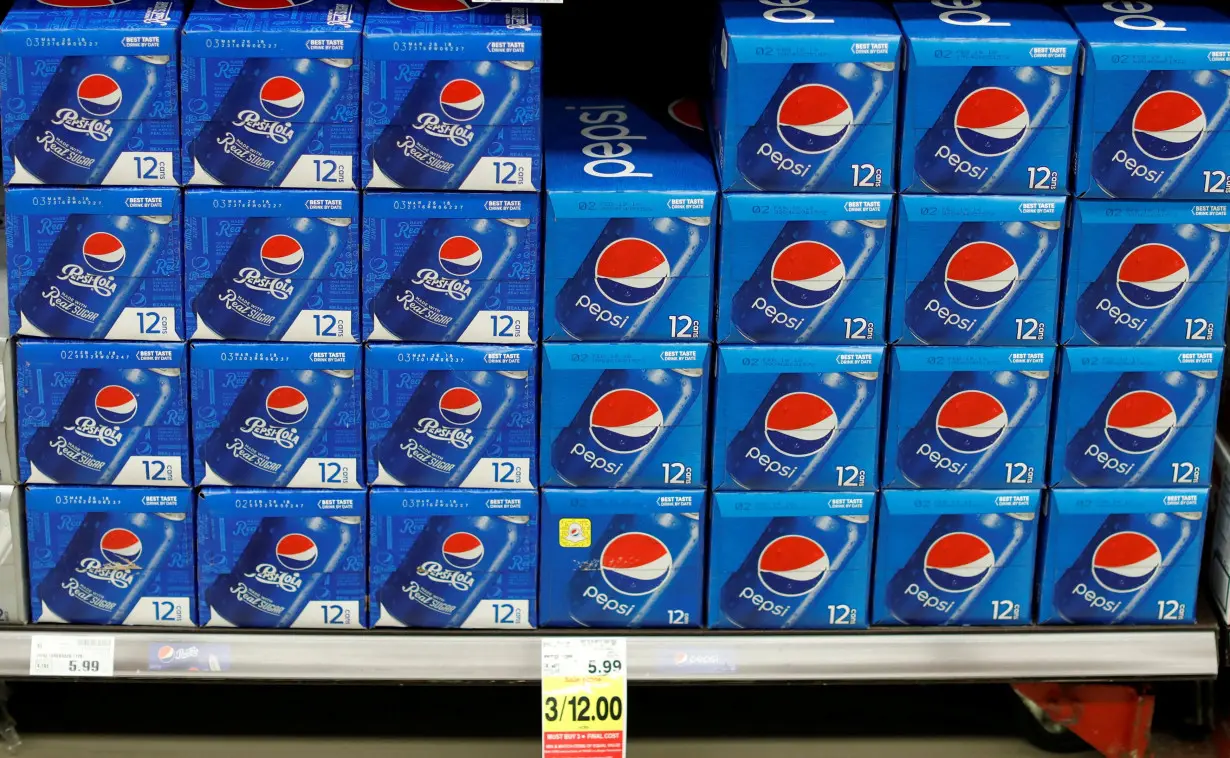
[
  {"x": 111, "y": 555},
  {"x": 630, "y": 227},
  {"x": 95, "y": 263},
  {"x": 450, "y": 267},
  {"x": 272, "y": 266},
  {"x": 988, "y": 99},
  {"x": 452, "y": 416},
  {"x": 450, "y": 559},
  {"x": 452, "y": 96},
  {"x": 91, "y": 92},
  {"x": 270, "y": 93},
  {"x": 622, "y": 559},
  {"x": 98, "y": 413},
  {"x": 281, "y": 559},
  {"x": 274, "y": 415},
  {"x": 1153, "y": 126},
  {"x": 805, "y": 96}
]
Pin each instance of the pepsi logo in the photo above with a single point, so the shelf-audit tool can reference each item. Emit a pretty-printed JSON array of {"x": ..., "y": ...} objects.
[
  {"x": 99, "y": 95},
  {"x": 1152, "y": 275},
  {"x": 282, "y": 97},
  {"x": 1168, "y": 125},
  {"x": 991, "y": 121},
  {"x": 166, "y": 653},
  {"x": 115, "y": 404},
  {"x": 686, "y": 111},
  {"x": 807, "y": 274},
  {"x": 971, "y": 421},
  {"x": 635, "y": 563},
  {"x": 262, "y": 5},
  {"x": 460, "y": 406},
  {"x": 82, "y": 3},
  {"x": 434, "y": 6},
  {"x": 814, "y": 118},
  {"x": 462, "y": 550},
  {"x": 631, "y": 271},
  {"x": 462, "y": 100},
  {"x": 1140, "y": 421},
  {"x": 286, "y": 405},
  {"x": 281, "y": 255},
  {"x": 958, "y": 562},
  {"x": 980, "y": 275},
  {"x": 800, "y": 424},
  {"x": 120, "y": 547},
  {"x": 103, "y": 252},
  {"x": 296, "y": 552},
  {"x": 1126, "y": 561},
  {"x": 792, "y": 565},
  {"x": 460, "y": 256},
  {"x": 625, "y": 421}
]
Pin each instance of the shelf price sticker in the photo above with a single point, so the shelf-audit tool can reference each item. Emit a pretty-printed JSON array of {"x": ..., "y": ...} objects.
[
  {"x": 72, "y": 655},
  {"x": 584, "y": 697}
]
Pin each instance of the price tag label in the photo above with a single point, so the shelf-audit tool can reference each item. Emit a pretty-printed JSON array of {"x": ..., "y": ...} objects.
[
  {"x": 72, "y": 655},
  {"x": 584, "y": 694}
]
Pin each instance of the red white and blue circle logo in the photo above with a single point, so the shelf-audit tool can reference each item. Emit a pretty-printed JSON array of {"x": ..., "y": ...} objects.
[
  {"x": 99, "y": 95},
  {"x": 462, "y": 100},
  {"x": 814, "y": 118},
  {"x": 434, "y": 6},
  {"x": 120, "y": 547},
  {"x": 1168, "y": 125},
  {"x": 262, "y": 5},
  {"x": 460, "y": 256},
  {"x": 462, "y": 550},
  {"x": 115, "y": 404},
  {"x": 800, "y": 424},
  {"x": 792, "y": 565},
  {"x": 281, "y": 255},
  {"x": 991, "y": 121},
  {"x": 625, "y": 421},
  {"x": 631, "y": 271},
  {"x": 635, "y": 563},
  {"x": 296, "y": 552},
  {"x": 166, "y": 653},
  {"x": 460, "y": 406},
  {"x": 103, "y": 252},
  {"x": 1126, "y": 561},
  {"x": 1152, "y": 275},
  {"x": 980, "y": 275},
  {"x": 286, "y": 405},
  {"x": 807, "y": 274},
  {"x": 282, "y": 97},
  {"x": 686, "y": 111},
  {"x": 971, "y": 421},
  {"x": 1140, "y": 422},
  {"x": 958, "y": 562}
]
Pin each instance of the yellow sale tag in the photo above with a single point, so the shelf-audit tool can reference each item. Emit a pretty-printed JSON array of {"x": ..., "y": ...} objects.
[{"x": 584, "y": 697}]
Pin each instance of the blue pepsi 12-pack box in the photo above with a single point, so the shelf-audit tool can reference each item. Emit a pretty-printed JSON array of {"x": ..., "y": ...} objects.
[
  {"x": 452, "y": 96},
  {"x": 445, "y": 268},
  {"x": 1153, "y": 126},
  {"x": 272, "y": 266},
  {"x": 91, "y": 92},
  {"x": 452, "y": 559},
  {"x": 1135, "y": 417},
  {"x": 97, "y": 413},
  {"x": 281, "y": 559},
  {"x": 118, "y": 555},
  {"x": 270, "y": 93},
  {"x": 968, "y": 418},
  {"x": 622, "y": 559},
  {"x": 805, "y": 96},
  {"x": 620, "y": 415},
  {"x": 977, "y": 270},
  {"x": 277, "y": 415},
  {"x": 630, "y": 225},
  {"x": 1121, "y": 556},
  {"x": 955, "y": 558},
  {"x": 797, "y": 418},
  {"x": 97, "y": 263},
  {"x": 452, "y": 416},
  {"x": 1147, "y": 273},
  {"x": 988, "y": 98},
  {"x": 800, "y": 560},
  {"x": 804, "y": 269}
]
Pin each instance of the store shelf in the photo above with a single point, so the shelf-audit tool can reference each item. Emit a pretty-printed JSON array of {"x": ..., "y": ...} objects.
[{"x": 878, "y": 655}]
